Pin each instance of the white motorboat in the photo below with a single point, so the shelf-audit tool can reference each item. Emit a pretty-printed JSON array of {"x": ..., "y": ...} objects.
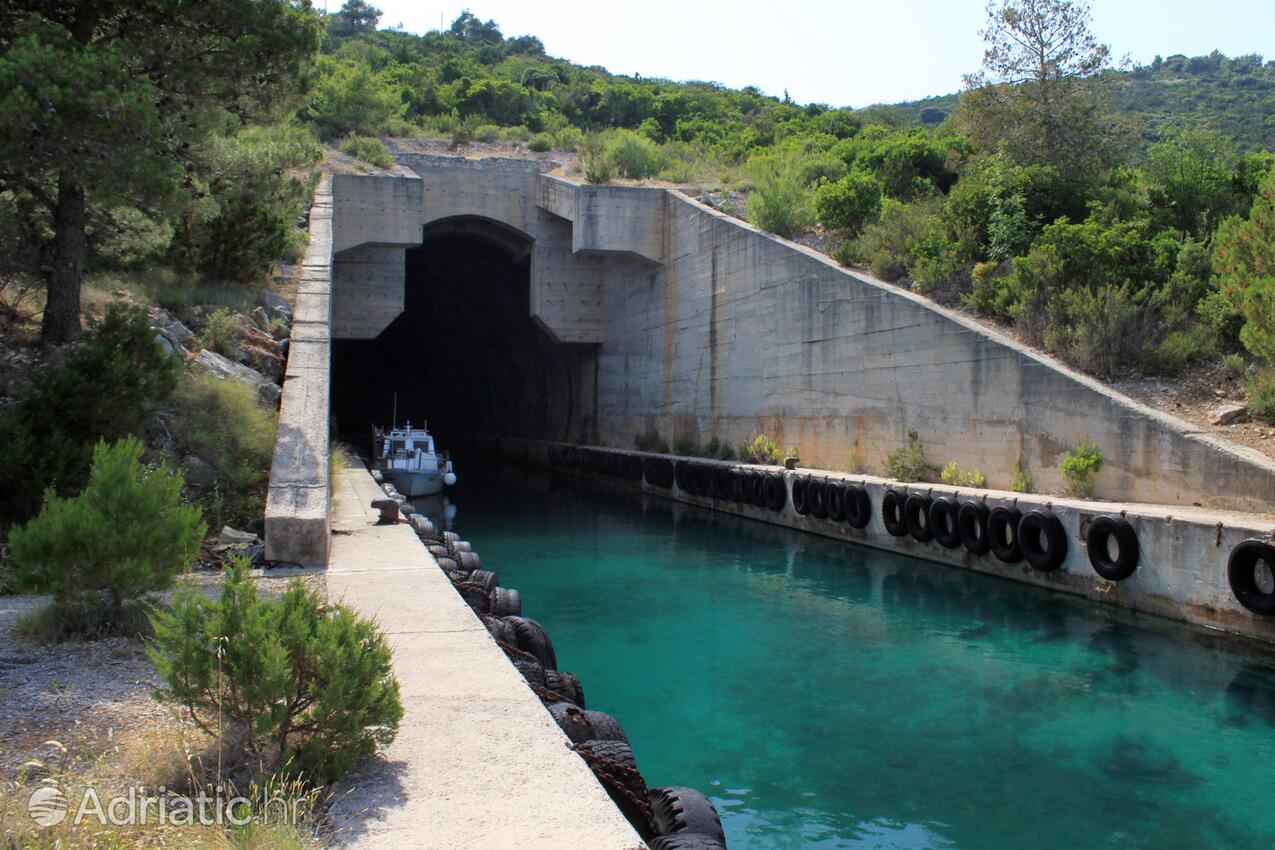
[{"x": 407, "y": 458}]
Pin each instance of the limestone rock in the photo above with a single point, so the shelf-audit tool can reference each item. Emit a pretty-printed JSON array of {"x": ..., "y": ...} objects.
[
  {"x": 223, "y": 367},
  {"x": 1226, "y": 414},
  {"x": 276, "y": 306},
  {"x": 233, "y": 535},
  {"x": 198, "y": 472},
  {"x": 157, "y": 434},
  {"x": 269, "y": 393},
  {"x": 162, "y": 320}
]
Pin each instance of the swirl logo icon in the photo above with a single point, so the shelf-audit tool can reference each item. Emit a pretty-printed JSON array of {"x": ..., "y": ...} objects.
[{"x": 47, "y": 806}]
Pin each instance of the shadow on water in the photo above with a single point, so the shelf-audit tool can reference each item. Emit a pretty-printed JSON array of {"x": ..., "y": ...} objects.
[{"x": 833, "y": 696}]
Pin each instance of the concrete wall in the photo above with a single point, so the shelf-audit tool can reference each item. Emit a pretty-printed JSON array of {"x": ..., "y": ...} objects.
[
  {"x": 706, "y": 327},
  {"x": 299, "y": 496},
  {"x": 1181, "y": 571}
]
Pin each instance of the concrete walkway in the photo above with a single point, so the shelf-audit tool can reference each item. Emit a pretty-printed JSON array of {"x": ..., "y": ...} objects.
[{"x": 478, "y": 762}]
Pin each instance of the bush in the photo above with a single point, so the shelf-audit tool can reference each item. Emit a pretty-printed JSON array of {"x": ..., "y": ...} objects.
[
  {"x": 540, "y": 143},
  {"x": 221, "y": 333},
  {"x": 1234, "y": 366},
  {"x": 722, "y": 450},
  {"x": 1022, "y": 482},
  {"x": 594, "y": 160},
  {"x": 1244, "y": 257},
  {"x": 309, "y": 684},
  {"x": 106, "y": 388},
  {"x": 651, "y": 441},
  {"x": 1099, "y": 331},
  {"x": 762, "y": 449},
  {"x": 907, "y": 462},
  {"x": 685, "y": 446},
  {"x": 1079, "y": 466},
  {"x": 957, "y": 477},
  {"x": 779, "y": 201},
  {"x": 1171, "y": 355},
  {"x": 126, "y": 535},
  {"x": 1261, "y": 394},
  {"x": 224, "y": 424},
  {"x": 369, "y": 149},
  {"x": 891, "y": 243},
  {"x": 849, "y": 203},
  {"x": 633, "y": 156}
]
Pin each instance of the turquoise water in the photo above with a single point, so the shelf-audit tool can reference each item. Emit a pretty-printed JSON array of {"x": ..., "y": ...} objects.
[{"x": 830, "y": 696}]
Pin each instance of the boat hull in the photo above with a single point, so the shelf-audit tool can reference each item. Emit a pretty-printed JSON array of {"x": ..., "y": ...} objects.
[{"x": 415, "y": 483}]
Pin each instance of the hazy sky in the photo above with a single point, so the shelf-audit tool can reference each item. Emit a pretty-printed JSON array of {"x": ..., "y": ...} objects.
[{"x": 841, "y": 52}]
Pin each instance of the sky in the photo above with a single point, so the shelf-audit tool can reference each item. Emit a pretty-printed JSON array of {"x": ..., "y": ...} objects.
[{"x": 839, "y": 52}]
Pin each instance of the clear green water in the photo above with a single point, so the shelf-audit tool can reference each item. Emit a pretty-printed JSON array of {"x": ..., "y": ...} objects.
[{"x": 835, "y": 697}]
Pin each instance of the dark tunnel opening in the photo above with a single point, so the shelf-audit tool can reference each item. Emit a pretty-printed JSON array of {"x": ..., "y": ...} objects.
[{"x": 465, "y": 354}]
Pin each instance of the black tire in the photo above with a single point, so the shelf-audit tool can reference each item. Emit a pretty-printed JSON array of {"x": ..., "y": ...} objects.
[
  {"x": 605, "y": 727},
  {"x": 485, "y": 579},
  {"x": 703, "y": 480},
  {"x": 1002, "y": 533},
  {"x": 945, "y": 522},
  {"x": 533, "y": 640},
  {"x": 581, "y": 725},
  {"x": 566, "y": 685},
  {"x": 916, "y": 514},
  {"x": 723, "y": 483},
  {"x": 532, "y": 671},
  {"x": 858, "y": 506},
  {"x": 892, "y": 513},
  {"x": 448, "y": 565},
  {"x": 971, "y": 520},
  {"x": 681, "y": 475},
  {"x": 739, "y": 484},
  {"x": 1097, "y": 541},
  {"x": 677, "y": 810},
  {"x": 501, "y": 631},
  {"x": 801, "y": 495},
  {"x": 1042, "y": 540},
  {"x": 461, "y": 546},
  {"x": 658, "y": 472},
  {"x": 816, "y": 491},
  {"x": 505, "y": 602},
  {"x": 475, "y": 597},
  {"x": 616, "y": 769},
  {"x": 774, "y": 492},
  {"x": 438, "y": 550},
  {"x": 469, "y": 561},
  {"x": 686, "y": 841},
  {"x": 1241, "y": 571},
  {"x": 834, "y": 501}
]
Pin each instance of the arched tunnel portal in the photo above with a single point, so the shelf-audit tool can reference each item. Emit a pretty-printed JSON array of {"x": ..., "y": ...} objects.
[{"x": 465, "y": 353}]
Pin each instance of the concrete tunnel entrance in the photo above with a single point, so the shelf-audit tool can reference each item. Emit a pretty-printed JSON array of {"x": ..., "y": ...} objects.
[{"x": 465, "y": 354}]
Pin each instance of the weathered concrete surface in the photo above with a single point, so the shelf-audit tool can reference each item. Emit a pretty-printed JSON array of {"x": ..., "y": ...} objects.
[
  {"x": 299, "y": 494},
  {"x": 706, "y": 327},
  {"x": 1181, "y": 571},
  {"x": 478, "y": 763}
]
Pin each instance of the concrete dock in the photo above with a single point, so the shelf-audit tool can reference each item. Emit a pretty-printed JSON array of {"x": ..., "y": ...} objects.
[{"x": 478, "y": 762}]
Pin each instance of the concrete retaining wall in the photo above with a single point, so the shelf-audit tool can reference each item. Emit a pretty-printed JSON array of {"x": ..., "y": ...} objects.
[{"x": 1181, "y": 572}]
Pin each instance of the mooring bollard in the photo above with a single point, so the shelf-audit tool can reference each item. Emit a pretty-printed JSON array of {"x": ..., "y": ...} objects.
[{"x": 388, "y": 509}]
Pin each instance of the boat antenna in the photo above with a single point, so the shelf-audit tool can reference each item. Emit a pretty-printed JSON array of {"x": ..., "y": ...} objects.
[{"x": 394, "y": 418}]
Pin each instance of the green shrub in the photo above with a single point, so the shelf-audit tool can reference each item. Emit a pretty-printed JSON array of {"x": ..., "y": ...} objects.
[
  {"x": 221, "y": 333},
  {"x": 1022, "y": 482},
  {"x": 1100, "y": 331},
  {"x": 594, "y": 160},
  {"x": 1171, "y": 355},
  {"x": 762, "y": 449},
  {"x": 633, "y": 156},
  {"x": 720, "y": 449},
  {"x": 1217, "y": 314},
  {"x": 849, "y": 203},
  {"x": 651, "y": 441},
  {"x": 106, "y": 388},
  {"x": 1245, "y": 262},
  {"x": 126, "y": 535},
  {"x": 353, "y": 98},
  {"x": 685, "y": 446},
  {"x": 369, "y": 149},
  {"x": 1079, "y": 466},
  {"x": 957, "y": 477},
  {"x": 779, "y": 201},
  {"x": 891, "y": 243},
  {"x": 1234, "y": 366},
  {"x": 1261, "y": 394},
  {"x": 907, "y": 462},
  {"x": 540, "y": 143},
  {"x": 223, "y": 423},
  {"x": 309, "y": 684}
]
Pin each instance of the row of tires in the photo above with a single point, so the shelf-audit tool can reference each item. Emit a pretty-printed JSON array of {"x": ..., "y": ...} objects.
[
  {"x": 1035, "y": 536},
  {"x": 668, "y": 818}
]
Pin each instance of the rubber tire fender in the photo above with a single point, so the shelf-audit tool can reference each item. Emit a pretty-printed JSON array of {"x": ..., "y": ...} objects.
[
  {"x": 916, "y": 515},
  {"x": 676, "y": 809},
  {"x": 1101, "y": 530},
  {"x": 801, "y": 495},
  {"x": 1239, "y": 572},
  {"x": 816, "y": 491},
  {"x": 1035, "y": 528},
  {"x": 971, "y": 519},
  {"x": 532, "y": 671},
  {"x": 686, "y": 841},
  {"x": 566, "y": 685},
  {"x": 858, "y": 506},
  {"x": 469, "y": 561},
  {"x": 892, "y": 513},
  {"x": 505, "y": 602},
  {"x": 533, "y": 640},
  {"x": 774, "y": 492},
  {"x": 999, "y": 521},
  {"x": 501, "y": 631},
  {"x": 834, "y": 501},
  {"x": 945, "y": 522},
  {"x": 681, "y": 475},
  {"x": 613, "y": 764}
]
